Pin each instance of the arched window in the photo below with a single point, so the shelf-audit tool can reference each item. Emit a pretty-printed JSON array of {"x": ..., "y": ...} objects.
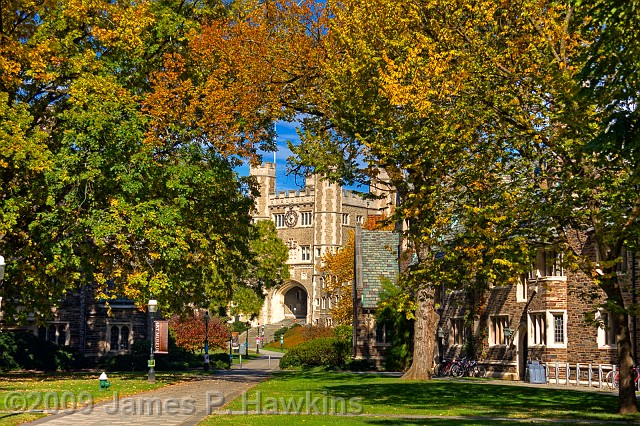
[
  {"x": 56, "y": 333},
  {"x": 119, "y": 338},
  {"x": 124, "y": 338},
  {"x": 115, "y": 335}
]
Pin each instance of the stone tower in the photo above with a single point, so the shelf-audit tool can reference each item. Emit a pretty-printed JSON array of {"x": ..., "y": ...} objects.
[
  {"x": 311, "y": 222},
  {"x": 266, "y": 176}
]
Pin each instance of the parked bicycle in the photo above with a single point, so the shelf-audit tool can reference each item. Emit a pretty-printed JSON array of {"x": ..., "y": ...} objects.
[
  {"x": 467, "y": 367},
  {"x": 613, "y": 378},
  {"x": 444, "y": 368}
]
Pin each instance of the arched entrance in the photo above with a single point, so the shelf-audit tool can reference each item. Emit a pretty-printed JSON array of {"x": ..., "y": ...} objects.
[
  {"x": 295, "y": 299},
  {"x": 523, "y": 350}
]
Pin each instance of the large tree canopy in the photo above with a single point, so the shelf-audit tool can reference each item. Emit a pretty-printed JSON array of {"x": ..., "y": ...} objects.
[
  {"x": 106, "y": 178},
  {"x": 475, "y": 110}
]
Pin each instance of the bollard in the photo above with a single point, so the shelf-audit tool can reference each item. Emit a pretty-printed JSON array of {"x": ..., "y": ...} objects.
[
  {"x": 240, "y": 361},
  {"x": 578, "y": 374},
  {"x": 600, "y": 376},
  {"x": 269, "y": 361},
  {"x": 568, "y": 369},
  {"x": 557, "y": 373}
]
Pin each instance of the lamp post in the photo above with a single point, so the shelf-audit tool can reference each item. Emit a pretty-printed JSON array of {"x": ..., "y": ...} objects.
[
  {"x": 440, "y": 334},
  {"x": 206, "y": 341},
  {"x": 508, "y": 334},
  {"x": 2, "y": 265},
  {"x": 258, "y": 339},
  {"x": 153, "y": 307},
  {"x": 246, "y": 343}
]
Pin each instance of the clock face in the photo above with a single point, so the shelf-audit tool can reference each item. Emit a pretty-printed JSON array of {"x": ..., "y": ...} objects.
[{"x": 291, "y": 218}]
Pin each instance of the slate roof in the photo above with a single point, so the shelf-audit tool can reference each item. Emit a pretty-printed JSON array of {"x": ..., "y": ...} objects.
[{"x": 376, "y": 257}]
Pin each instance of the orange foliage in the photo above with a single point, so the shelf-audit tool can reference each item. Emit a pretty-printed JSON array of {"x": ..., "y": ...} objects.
[
  {"x": 244, "y": 72},
  {"x": 299, "y": 334}
]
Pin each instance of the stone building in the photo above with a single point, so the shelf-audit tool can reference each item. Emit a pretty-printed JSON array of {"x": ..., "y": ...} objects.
[
  {"x": 82, "y": 322},
  {"x": 543, "y": 317},
  {"x": 311, "y": 221}
]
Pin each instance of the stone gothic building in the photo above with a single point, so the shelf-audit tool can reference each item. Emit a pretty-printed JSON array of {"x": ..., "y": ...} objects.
[
  {"x": 544, "y": 317},
  {"x": 311, "y": 222}
]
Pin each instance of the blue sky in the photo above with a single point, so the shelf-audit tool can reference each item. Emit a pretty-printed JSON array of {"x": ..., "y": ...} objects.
[{"x": 285, "y": 131}]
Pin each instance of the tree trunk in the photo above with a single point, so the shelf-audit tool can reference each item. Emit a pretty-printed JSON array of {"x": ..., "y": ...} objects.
[
  {"x": 627, "y": 393},
  {"x": 424, "y": 338}
]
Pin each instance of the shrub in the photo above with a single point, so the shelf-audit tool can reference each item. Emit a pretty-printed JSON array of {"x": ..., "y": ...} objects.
[
  {"x": 315, "y": 332},
  {"x": 220, "y": 361},
  {"x": 25, "y": 351},
  {"x": 278, "y": 333},
  {"x": 322, "y": 352},
  {"x": 343, "y": 332},
  {"x": 178, "y": 359}
]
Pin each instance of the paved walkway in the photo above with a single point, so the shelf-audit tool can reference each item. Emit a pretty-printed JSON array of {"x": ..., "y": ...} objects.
[{"x": 181, "y": 404}]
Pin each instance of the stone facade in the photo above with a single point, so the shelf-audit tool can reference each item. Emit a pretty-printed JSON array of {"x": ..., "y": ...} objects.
[
  {"x": 85, "y": 323},
  {"x": 311, "y": 222},
  {"x": 545, "y": 317},
  {"x": 548, "y": 315}
]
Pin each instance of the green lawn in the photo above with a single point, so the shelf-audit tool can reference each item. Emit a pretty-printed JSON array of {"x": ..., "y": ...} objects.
[
  {"x": 276, "y": 349},
  {"x": 38, "y": 391},
  {"x": 279, "y": 420},
  {"x": 382, "y": 399}
]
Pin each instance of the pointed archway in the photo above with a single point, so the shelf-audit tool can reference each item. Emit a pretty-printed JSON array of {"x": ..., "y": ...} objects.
[{"x": 295, "y": 299}]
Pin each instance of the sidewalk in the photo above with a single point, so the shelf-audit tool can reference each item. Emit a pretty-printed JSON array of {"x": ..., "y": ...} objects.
[{"x": 181, "y": 404}]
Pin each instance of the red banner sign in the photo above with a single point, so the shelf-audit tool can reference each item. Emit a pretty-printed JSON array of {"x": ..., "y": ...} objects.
[{"x": 161, "y": 337}]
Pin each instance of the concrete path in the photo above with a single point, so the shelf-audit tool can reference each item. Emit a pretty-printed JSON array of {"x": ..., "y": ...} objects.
[{"x": 181, "y": 404}]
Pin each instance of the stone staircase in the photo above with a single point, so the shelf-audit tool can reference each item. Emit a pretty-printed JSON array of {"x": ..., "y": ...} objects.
[{"x": 269, "y": 330}]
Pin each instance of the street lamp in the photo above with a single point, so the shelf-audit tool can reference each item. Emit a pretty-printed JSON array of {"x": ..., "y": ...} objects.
[
  {"x": 508, "y": 334},
  {"x": 258, "y": 339},
  {"x": 153, "y": 307},
  {"x": 246, "y": 343},
  {"x": 2, "y": 265},
  {"x": 230, "y": 348},
  {"x": 206, "y": 341},
  {"x": 440, "y": 334}
]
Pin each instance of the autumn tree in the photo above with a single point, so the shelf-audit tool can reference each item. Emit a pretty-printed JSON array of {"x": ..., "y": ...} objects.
[
  {"x": 336, "y": 268},
  {"x": 474, "y": 111},
  {"x": 106, "y": 178},
  {"x": 190, "y": 331},
  {"x": 612, "y": 72}
]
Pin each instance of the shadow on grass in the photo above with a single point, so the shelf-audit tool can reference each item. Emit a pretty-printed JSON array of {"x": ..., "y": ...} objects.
[
  {"x": 385, "y": 395},
  {"x": 445, "y": 422}
]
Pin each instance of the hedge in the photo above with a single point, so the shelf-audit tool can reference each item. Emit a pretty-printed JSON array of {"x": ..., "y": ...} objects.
[
  {"x": 24, "y": 351},
  {"x": 322, "y": 352}
]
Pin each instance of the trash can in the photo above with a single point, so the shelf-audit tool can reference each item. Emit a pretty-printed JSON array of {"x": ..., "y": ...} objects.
[{"x": 536, "y": 373}]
